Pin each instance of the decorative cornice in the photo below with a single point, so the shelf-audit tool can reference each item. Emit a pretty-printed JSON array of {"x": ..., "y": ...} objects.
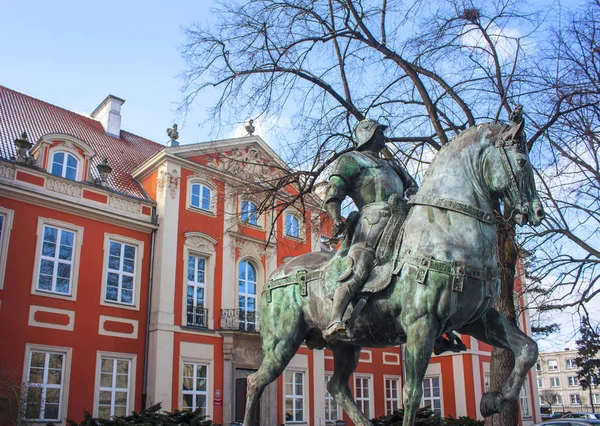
[{"x": 200, "y": 241}]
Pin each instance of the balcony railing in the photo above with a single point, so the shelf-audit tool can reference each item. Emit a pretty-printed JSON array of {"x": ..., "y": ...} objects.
[
  {"x": 197, "y": 317},
  {"x": 239, "y": 320}
]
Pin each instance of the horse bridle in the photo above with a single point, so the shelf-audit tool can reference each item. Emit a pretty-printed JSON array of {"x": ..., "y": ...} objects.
[
  {"x": 470, "y": 210},
  {"x": 513, "y": 187}
]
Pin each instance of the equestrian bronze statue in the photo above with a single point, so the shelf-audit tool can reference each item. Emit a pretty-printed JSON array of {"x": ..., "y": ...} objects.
[{"x": 410, "y": 272}]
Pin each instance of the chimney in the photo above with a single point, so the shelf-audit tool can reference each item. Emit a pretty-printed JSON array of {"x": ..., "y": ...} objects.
[{"x": 108, "y": 113}]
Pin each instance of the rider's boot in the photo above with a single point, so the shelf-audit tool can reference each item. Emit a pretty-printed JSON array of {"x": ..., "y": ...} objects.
[{"x": 336, "y": 327}]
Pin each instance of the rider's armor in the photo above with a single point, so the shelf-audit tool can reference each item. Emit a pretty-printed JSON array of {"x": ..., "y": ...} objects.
[{"x": 369, "y": 181}]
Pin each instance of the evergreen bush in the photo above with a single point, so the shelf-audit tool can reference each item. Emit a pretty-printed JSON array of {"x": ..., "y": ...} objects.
[
  {"x": 425, "y": 417},
  {"x": 151, "y": 416}
]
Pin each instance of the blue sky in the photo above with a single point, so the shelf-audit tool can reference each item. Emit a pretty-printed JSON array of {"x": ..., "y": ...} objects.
[{"x": 74, "y": 53}]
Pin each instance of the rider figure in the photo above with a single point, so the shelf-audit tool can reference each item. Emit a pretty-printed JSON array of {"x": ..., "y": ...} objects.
[{"x": 369, "y": 181}]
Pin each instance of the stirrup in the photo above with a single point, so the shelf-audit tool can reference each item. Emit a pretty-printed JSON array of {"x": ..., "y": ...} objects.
[{"x": 335, "y": 330}]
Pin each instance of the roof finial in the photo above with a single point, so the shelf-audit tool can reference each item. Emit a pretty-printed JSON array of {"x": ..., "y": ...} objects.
[
  {"x": 249, "y": 127},
  {"x": 173, "y": 135}
]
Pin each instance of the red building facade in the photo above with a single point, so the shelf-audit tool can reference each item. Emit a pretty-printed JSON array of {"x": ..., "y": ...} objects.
[{"x": 138, "y": 286}]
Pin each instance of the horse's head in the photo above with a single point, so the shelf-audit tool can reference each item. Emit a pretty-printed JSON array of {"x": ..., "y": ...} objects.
[{"x": 510, "y": 175}]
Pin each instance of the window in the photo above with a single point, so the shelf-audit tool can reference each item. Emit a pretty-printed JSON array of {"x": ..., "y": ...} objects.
[
  {"x": 362, "y": 394},
  {"x": 195, "y": 387},
  {"x": 552, "y": 365},
  {"x": 294, "y": 396},
  {"x": 570, "y": 363},
  {"x": 45, "y": 379},
  {"x": 575, "y": 399},
  {"x": 64, "y": 165},
  {"x": 432, "y": 396},
  {"x": 556, "y": 399},
  {"x": 573, "y": 381},
  {"x": 247, "y": 296},
  {"x": 538, "y": 366},
  {"x": 292, "y": 227},
  {"x": 540, "y": 383},
  {"x": 114, "y": 389},
  {"x": 249, "y": 212},
  {"x": 524, "y": 399},
  {"x": 554, "y": 382},
  {"x": 200, "y": 196},
  {"x": 596, "y": 398},
  {"x": 486, "y": 383},
  {"x": 120, "y": 277},
  {"x": 6, "y": 219},
  {"x": 331, "y": 408},
  {"x": 392, "y": 395},
  {"x": 196, "y": 292},
  {"x": 56, "y": 260}
]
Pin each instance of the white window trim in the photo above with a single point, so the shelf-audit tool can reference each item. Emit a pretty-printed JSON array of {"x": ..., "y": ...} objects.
[
  {"x": 213, "y": 196},
  {"x": 558, "y": 383},
  {"x": 6, "y": 228},
  {"x": 78, "y": 230},
  {"x": 540, "y": 383},
  {"x": 260, "y": 218},
  {"x": 556, "y": 368},
  {"x": 371, "y": 395},
  {"x": 569, "y": 381},
  {"x": 567, "y": 364},
  {"x": 439, "y": 377},
  {"x": 66, "y": 376},
  {"x": 339, "y": 414},
  {"x": 301, "y": 228},
  {"x": 305, "y": 401},
  {"x": 132, "y": 378},
  {"x": 399, "y": 389},
  {"x": 211, "y": 380},
  {"x": 577, "y": 396},
  {"x": 137, "y": 281},
  {"x": 202, "y": 245},
  {"x": 74, "y": 153}
]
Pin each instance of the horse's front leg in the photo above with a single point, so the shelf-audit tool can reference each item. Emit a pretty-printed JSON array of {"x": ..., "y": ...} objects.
[
  {"x": 420, "y": 336},
  {"x": 345, "y": 360},
  {"x": 495, "y": 329}
]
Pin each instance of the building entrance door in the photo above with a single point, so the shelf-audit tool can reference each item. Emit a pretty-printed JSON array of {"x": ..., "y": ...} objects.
[{"x": 241, "y": 385}]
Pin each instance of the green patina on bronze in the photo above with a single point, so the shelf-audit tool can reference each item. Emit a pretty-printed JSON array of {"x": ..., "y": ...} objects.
[{"x": 405, "y": 277}]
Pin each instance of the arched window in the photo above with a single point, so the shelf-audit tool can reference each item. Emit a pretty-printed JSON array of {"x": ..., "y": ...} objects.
[
  {"x": 201, "y": 196},
  {"x": 247, "y": 296},
  {"x": 64, "y": 165},
  {"x": 292, "y": 226},
  {"x": 249, "y": 212}
]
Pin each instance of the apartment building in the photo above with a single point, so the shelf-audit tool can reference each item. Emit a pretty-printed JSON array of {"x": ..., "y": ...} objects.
[{"x": 558, "y": 386}]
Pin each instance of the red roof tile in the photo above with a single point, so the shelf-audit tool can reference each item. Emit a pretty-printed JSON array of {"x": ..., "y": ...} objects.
[{"x": 19, "y": 112}]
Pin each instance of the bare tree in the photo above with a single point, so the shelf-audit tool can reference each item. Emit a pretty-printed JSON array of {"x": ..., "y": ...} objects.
[
  {"x": 432, "y": 69},
  {"x": 566, "y": 250}
]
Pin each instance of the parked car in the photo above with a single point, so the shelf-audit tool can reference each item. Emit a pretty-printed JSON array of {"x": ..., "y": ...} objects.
[
  {"x": 593, "y": 416},
  {"x": 569, "y": 422}
]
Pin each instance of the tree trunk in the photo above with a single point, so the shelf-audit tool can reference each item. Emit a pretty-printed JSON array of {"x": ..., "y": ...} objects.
[{"x": 503, "y": 361}]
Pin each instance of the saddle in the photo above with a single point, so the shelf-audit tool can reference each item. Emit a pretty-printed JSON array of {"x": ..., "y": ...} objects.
[{"x": 387, "y": 253}]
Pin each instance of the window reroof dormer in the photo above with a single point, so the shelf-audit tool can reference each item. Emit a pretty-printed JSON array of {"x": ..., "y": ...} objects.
[{"x": 64, "y": 156}]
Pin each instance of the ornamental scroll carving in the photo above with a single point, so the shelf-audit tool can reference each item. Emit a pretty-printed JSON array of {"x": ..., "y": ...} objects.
[
  {"x": 7, "y": 172},
  {"x": 200, "y": 241},
  {"x": 170, "y": 180},
  {"x": 249, "y": 248},
  {"x": 65, "y": 188},
  {"x": 125, "y": 205},
  {"x": 250, "y": 164}
]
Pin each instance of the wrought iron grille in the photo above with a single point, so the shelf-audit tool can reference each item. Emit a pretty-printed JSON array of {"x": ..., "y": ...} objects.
[
  {"x": 239, "y": 319},
  {"x": 197, "y": 317}
]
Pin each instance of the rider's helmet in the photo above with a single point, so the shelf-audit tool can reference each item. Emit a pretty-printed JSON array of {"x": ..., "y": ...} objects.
[{"x": 364, "y": 131}]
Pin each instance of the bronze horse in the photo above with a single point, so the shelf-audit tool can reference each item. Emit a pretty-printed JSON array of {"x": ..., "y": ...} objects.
[{"x": 446, "y": 277}]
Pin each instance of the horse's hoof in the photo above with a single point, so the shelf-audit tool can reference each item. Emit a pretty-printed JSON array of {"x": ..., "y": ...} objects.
[{"x": 491, "y": 403}]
